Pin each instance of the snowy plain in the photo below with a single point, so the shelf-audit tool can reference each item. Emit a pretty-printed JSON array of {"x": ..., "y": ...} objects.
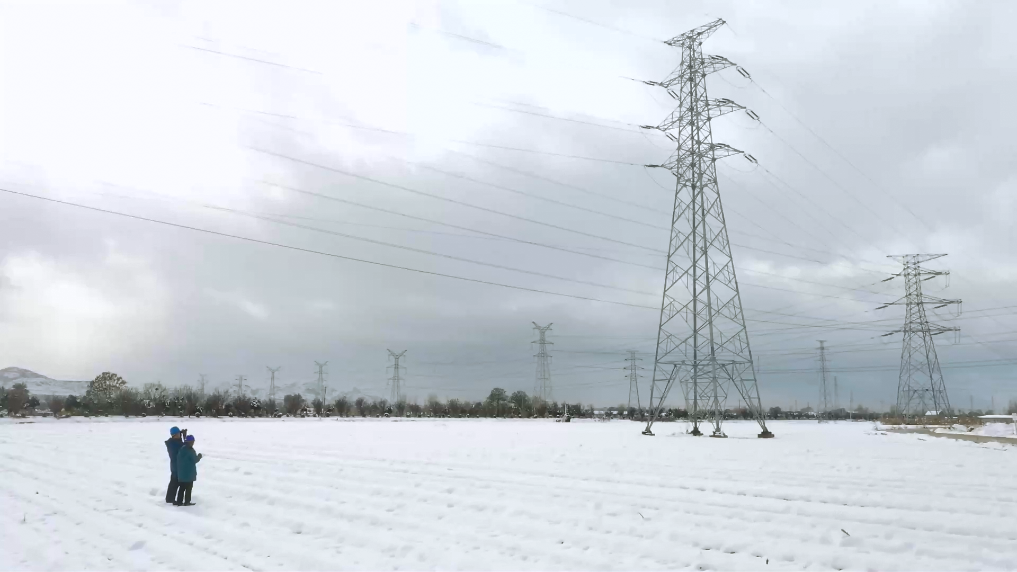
[{"x": 318, "y": 494}]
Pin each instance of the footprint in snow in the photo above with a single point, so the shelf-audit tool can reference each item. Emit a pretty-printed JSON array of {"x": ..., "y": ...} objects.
[{"x": 138, "y": 545}]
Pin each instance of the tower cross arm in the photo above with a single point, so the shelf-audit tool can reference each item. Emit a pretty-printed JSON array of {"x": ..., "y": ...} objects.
[
  {"x": 713, "y": 151},
  {"x": 697, "y": 35},
  {"x": 714, "y": 108},
  {"x": 933, "y": 329},
  {"x": 703, "y": 66}
]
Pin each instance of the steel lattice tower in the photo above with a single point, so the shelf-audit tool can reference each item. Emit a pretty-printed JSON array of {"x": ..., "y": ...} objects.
[
  {"x": 542, "y": 388},
  {"x": 920, "y": 387},
  {"x": 824, "y": 390},
  {"x": 396, "y": 381},
  {"x": 321, "y": 381},
  {"x": 702, "y": 342},
  {"x": 634, "y": 379},
  {"x": 271, "y": 383}
]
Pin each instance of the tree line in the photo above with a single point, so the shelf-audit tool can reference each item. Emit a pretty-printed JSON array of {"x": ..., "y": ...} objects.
[{"x": 109, "y": 394}]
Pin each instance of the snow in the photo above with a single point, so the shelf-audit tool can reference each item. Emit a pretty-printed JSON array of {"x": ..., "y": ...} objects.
[{"x": 310, "y": 494}]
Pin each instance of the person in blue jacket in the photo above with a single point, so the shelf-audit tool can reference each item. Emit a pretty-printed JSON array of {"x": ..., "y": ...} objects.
[
  {"x": 173, "y": 445},
  {"x": 187, "y": 471}
]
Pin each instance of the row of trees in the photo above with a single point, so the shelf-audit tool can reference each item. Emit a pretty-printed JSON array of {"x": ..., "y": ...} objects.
[{"x": 108, "y": 394}]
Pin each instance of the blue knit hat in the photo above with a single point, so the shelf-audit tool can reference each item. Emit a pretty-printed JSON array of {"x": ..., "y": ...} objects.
[
  {"x": 189, "y": 439},
  {"x": 174, "y": 430}
]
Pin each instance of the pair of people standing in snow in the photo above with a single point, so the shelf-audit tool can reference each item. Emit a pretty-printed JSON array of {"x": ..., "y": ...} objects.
[{"x": 183, "y": 467}]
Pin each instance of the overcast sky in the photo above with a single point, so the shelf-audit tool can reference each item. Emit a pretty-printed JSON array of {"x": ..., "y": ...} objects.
[{"x": 237, "y": 118}]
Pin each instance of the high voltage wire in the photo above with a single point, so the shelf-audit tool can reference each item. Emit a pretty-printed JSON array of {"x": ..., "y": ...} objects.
[
  {"x": 627, "y": 244},
  {"x": 546, "y": 116},
  {"x": 838, "y": 153},
  {"x": 468, "y": 229},
  {"x": 556, "y": 182},
  {"x": 537, "y": 197},
  {"x": 248, "y": 58},
  {"x": 318, "y": 252},
  {"x": 432, "y": 253},
  {"x": 481, "y": 182},
  {"x": 269, "y": 218},
  {"x": 445, "y": 199}
]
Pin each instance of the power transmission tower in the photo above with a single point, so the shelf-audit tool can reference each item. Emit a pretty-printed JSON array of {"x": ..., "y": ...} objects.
[
  {"x": 920, "y": 386},
  {"x": 321, "y": 382},
  {"x": 542, "y": 388},
  {"x": 396, "y": 381},
  {"x": 836, "y": 394},
  {"x": 240, "y": 385},
  {"x": 201, "y": 382},
  {"x": 634, "y": 378},
  {"x": 271, "y": 383},
  {"x": 702, "y": 342},
  {"x": 824, "y": 393}
]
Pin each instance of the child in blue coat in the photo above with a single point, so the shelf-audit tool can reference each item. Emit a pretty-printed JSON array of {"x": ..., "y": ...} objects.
[{"x": 187, "y": 471}]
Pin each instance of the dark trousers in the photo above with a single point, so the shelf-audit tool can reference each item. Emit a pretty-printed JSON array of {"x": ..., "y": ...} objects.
[
  {"x": 171, "y": 491},
  {"x": 184, "y": 493}
]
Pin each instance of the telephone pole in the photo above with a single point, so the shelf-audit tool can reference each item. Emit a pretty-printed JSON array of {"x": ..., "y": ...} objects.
[
  {"x": 634, "y": 378},
  {"x": 321, "y": 382},
  {"x": 271, "y": 383},
  {"x": 702, "y": 341},
  {"x": 396, "y": 381},
  {"x": 920, "y": 386},
  {"x": 824, "y": 394},
  {"x": 542, "y": 388}
]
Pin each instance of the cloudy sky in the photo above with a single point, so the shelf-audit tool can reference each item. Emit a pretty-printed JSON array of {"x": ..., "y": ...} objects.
[{"x": 436, "y": 176}]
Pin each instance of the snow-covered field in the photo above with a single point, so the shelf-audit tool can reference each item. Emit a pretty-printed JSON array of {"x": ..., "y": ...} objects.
[
  {"x": 506, "y": 495},
  {"x": 987, "y": 430}
]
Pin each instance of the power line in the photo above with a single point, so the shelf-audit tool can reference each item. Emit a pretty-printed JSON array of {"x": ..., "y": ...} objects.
[
  {"x": 250, "y": 59},
  {"x": 450, "y": 225},
  {"x": 318, "y": 252},
  {"x": 438, "y": 254},
  {"x": 445, "y": 199},
  {"x": 839, "y": 154}
]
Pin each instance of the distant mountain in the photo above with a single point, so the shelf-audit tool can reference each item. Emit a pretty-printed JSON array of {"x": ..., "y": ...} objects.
[{"x": 39, "y": 384}]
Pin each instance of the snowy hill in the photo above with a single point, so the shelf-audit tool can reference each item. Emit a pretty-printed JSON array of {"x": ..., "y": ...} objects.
[{"x": 39, "y": 384}]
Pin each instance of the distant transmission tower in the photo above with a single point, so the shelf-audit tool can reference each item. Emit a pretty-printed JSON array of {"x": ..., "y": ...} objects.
[
  {"x": 396, "y": 381},
  {"x": 201, "y": 382},
  {"x": 271, "y": 383},
  {"x": 702, "y": 342},
  {"x": 920, "y": 387},
  {"x": 824, "y": 391},
  {"x": 634, "y": 378},
  {"x": 321, "y": 381},
  {"x": 240, "y": 385},
  {"x": 542, "y": 388}
]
